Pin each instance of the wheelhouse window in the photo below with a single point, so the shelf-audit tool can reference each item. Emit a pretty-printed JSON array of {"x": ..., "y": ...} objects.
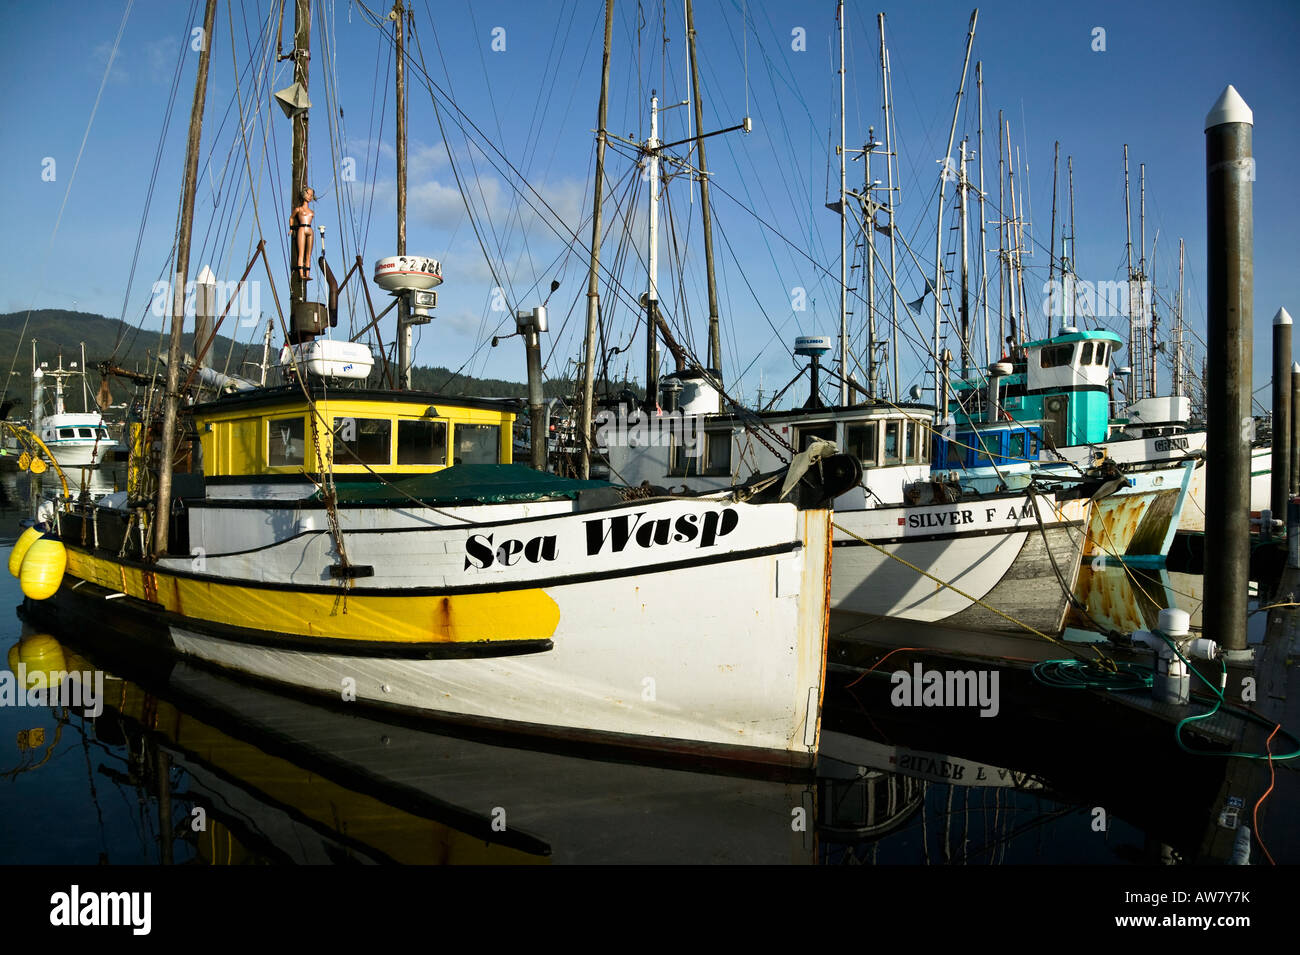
[
  {"x": 1103, "y": 352},
  {"x": 1017, "y": 445},
  {"x": 363, "y": 441},
  {"x": 909, "y": 443},
  {"x": 717, "y": 453},
  {"x": 860, "y": 441},
  {"x": 67, "y": 432},
  {"x": 1056, "y": 356},
  {"x": 823, "y": 432},
  {"x": 478, "y": 444},
  {"x": 956, "y": 457},
  {"x": 1085, "y": 356},
  {"x": 892, "y": 442},
  {"x": 922, "y": 442},
  {"x": 85, "y": 433},
  {"x": 421, "y": 442},
  {"x": 285, "y": 445}
]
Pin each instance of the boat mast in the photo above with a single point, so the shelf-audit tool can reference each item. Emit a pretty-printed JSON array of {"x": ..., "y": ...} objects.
[
  {"x": 885, "y": 82},
  {"x": 404, "y": 334},
  {"x": 85, "y": 397},
  {"x": 1147, "y": 360},
  {"x": 1003, "y": 312},
  {"x": 593, "y": 284},
  {"x": 1013, "y": 250},
  {"x": 1128, "y": 246},
  {"x": 1021, "y": 252},
  {"x": 1051, "y": 248},
  {"x": 965, "y": 293},
  {"x": 869, "y": 222},
  {"x": 1067, "y": 262},
  {"x": 1178, "y": 330},
  {"x": 162, "y": 512},
  {"x": 301, "y": 60},
  {"x": 652, "y": 285},
  {"x": 984, "y": 252},
  {"x": 844, "y": 277},
  {"x": 941, "y": 411},
  {"x": 715, "y": 335}
]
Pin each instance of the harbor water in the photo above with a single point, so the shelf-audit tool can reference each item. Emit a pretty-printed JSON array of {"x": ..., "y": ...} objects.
[{"x": 162, "y": 761}]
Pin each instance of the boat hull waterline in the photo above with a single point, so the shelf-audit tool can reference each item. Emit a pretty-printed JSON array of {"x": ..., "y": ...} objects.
[{"x": 695, "y": 626}]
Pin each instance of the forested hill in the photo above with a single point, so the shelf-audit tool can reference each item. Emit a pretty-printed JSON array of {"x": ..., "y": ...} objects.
[{"x": 58, "y": 330}]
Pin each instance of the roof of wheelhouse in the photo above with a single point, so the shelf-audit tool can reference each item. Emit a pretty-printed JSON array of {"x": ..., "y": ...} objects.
[{"x": 279, "y": 395}]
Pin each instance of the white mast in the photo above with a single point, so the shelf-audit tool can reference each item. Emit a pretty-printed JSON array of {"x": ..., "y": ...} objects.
[
  {"x": 1178, "y": 330},
  {"x": 984, "y": 252},
  {"x": 844, "y": 278},
  {"x": 889, "y": 183},
  {"x": 85, "y": 397},
  {"x": 965, "y": 289},
  {"x": 652, "y": 285},
  {"x": 940, "y": 410},
  {"x": 1128, "y": 245}
]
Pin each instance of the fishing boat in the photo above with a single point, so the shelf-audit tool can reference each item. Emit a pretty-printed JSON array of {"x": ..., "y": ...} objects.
[
  {"x": 378, "y": 545},
  {"x": 908, "y": 543},
  {"x": 1046, "y": 411},
  {"x": 74, "y": 439}
]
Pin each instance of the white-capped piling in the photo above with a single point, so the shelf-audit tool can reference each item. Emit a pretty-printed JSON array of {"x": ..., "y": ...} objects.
[{"x": 1229, "y": 175}]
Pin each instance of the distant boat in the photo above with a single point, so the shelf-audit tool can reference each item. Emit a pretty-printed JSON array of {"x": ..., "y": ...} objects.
[{"x": 75, "y": 439}]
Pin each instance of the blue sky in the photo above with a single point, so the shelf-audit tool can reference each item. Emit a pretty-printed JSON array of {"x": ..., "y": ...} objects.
[{"x": 527, "y": 76}]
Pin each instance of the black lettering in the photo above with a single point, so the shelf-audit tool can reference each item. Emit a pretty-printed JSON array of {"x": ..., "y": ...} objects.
[
  {"x": 729, "y": 521},
  {"x": 709, "y": 533},
  {"x": 686, "y": 529},
  {"x": 656, "y": 532},
  {"x": 618, "y": 533},
  {"x": 540, "y": 548},
  {"x": 479, "y": 549},
  {"x": 965, "y": 517},
  {"x": 507, "y": 551}
]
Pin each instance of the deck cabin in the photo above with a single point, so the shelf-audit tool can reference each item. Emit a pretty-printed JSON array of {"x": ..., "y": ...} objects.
[
  {"x": 268, "y": 443},
  {"x": 691, "y": 443}
]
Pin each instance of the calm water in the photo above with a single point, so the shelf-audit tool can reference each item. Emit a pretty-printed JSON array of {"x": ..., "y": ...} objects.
[{"x": 187, "y": 765}]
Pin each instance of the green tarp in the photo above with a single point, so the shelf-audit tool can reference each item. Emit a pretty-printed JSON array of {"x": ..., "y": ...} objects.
[{"x": 464, "y": 484}]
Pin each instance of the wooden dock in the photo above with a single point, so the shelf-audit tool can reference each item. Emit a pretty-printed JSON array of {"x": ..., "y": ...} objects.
[{"x": 1277, "y": 697}]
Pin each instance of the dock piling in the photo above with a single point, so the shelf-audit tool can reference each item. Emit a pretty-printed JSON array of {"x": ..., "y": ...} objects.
[
  {"x": 1282, "y": 412},
  {"x": 1230, "y": 173}
]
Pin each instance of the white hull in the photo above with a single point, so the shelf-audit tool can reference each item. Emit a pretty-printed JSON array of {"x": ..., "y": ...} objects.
[
  {"x": 1261, "y": 476},
  {"x": 996, "y": 553},
  {"x": 702, "y": 645}
]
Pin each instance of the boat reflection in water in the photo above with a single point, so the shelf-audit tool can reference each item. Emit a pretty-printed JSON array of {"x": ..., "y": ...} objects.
[{"x": 255, "y": 776}]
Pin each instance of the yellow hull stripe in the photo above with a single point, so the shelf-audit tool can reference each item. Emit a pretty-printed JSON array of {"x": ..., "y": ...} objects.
[{"x": 456, "y": 618}]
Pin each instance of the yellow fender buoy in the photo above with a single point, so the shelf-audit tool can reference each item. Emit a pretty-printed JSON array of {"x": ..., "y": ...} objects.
[
  {"x": 25, "y": 540},
  {"x": 43, "y": 568},
  {"x": 38, "y": 466},
  {"x": 43, "y": 657}
]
